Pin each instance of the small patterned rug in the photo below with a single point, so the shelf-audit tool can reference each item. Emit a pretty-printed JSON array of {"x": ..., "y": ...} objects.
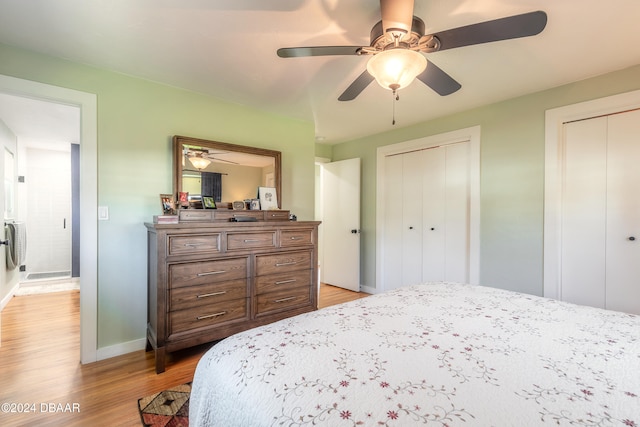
[{"x": 169, "y": 408}]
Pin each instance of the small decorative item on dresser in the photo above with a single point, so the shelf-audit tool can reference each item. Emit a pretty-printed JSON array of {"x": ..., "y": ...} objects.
[
  {"x": 268, "y": 198},
  {"x": 183, "y": 199},
  {"x": 168, "y": 206},
  {"x": 165, "y": 219},
  {"x": 208, "y": 202},
  {"x": 255, "y": 204},
  {"x": 238, "y": 205}
]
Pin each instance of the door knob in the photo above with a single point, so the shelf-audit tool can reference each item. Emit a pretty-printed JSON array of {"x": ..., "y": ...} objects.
[{"x": 632, "y": 238}]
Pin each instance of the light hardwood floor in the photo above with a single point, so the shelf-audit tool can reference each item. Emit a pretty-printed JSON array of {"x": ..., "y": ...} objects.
[{"x": 39, "y": 367}]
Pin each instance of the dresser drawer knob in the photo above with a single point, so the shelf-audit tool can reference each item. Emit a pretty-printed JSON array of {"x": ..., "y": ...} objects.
[
  {"x": 209, "y": 316},
  {"x": 285, "y": 299},
  {"x": 282, "y": 282},
  {"x": 193, "y": 245},
  {"x": 213, "y": 294},
  {"x": 209, "y": 273},
  {"x": 251, "y": 240},
  {"x": 282, "y": 264},
  {"x": 296, "y": 238}
]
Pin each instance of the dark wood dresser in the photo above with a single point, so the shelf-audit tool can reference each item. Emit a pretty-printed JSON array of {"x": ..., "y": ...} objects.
[{"x": 209, "y": 280}]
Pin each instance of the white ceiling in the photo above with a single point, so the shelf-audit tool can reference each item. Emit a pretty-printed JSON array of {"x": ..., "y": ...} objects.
[{"x": 227, "y": 48}]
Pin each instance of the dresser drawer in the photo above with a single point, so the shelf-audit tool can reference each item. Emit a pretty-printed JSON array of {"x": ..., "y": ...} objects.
[
  {"x": 296, "y": 237},
  {"x": 226, "y": 216},
  {"x": 195, "y": 215},
  {"x": 282, "y": 281},
  {"x": 209, "y": 315},
  {"x": 283, "y": 262},
  {"x": 251, "y": 240},
  {"x": 198, "y": 296},
  {"x": 281, "y": 300},
  {"x": 276, "y": 215},
  {"x": 203, "y": 272},
  {"x": 194, "y": 244}
]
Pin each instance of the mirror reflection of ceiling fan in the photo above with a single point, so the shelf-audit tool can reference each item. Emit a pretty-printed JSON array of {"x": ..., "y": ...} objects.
[
  {"x": 200, "y": 158},
  {"x": 398, "y": 40}
]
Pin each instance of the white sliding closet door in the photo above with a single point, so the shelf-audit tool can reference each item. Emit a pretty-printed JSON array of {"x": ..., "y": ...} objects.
[
  {"x": 426, "y": 224},
  {"x": 600, "y": 236}
]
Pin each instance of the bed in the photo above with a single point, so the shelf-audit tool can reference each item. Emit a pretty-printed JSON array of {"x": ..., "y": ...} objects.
[{"x": 442, "y": 354}]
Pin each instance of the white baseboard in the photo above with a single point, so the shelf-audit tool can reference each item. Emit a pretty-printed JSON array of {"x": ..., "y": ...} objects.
[
  {"x": 368, "y": 290},
  {"x": 7, "y": 298},
  {"x": 120, "y": 349}
]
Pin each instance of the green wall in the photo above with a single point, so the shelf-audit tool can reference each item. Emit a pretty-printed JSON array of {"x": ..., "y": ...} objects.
[
  {"x": 137, "y": 118},
  {"x": 512, "y": 177},
  {"x": 136, "y": 121}
]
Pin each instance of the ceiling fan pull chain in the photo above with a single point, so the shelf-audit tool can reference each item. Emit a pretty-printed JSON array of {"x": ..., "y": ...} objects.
[{"x": 396, "y": 97}]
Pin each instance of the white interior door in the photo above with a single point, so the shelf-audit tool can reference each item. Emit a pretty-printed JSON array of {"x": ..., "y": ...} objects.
[
  {"x": 433, "y": 210},
  {"x": 427, "y": 215},
  {"x": 584, "y": 205},
  {"x": 393, "y": 221},
  {"x": 340, "y": 182},
  {"x": 412, "y": 218},
  {"x": 600, "y": 226},
  {"x": 49, "y": 211},
  {"x": 623, "y": 213}
]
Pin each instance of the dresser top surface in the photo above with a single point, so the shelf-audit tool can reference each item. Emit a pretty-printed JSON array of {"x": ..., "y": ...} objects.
[{"x": 230, "y": 225}]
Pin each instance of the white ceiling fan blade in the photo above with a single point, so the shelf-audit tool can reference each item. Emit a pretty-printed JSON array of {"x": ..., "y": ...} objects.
[{"x": 397, "y": 16}]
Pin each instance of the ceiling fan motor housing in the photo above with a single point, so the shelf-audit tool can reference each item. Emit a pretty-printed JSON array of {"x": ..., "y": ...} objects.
[{"x": 381, "y": 41}]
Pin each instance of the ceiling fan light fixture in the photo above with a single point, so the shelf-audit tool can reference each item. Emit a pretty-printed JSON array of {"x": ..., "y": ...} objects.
[
  {"x": 199, "y": 162},
  {"x": 396, "y": 68}
]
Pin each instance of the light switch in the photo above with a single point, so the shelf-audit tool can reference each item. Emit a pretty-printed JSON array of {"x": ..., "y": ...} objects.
[{"x": 103, "y": 213}]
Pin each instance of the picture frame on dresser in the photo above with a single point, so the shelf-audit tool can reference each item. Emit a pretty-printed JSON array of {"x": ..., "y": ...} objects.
[
  {"x": 268, "y": 198},
  {"x": 208, "y": 202},
  {"x": 166, "y": 200}
]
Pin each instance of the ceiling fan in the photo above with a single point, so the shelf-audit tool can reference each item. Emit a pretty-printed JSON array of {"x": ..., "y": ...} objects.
[
  {"x": 202, "y": 157},
  {"x": 398, "y": 39}
]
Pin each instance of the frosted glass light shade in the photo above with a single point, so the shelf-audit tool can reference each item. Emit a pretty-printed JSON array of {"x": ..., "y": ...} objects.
[
  {"x": 396, "y": 68},
  {"x": 199, "y": 162}
]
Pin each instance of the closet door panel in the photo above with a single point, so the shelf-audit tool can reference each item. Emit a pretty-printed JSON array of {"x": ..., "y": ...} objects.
[
  {"x": 584, "y": 213},
  {"x": 434, "y": 214},
  {"x": 393, "y": 227},
  {"x": 457, "y": 203},
  {"x": 412, "y": 195},
  {"x": 623, "y": 213}
]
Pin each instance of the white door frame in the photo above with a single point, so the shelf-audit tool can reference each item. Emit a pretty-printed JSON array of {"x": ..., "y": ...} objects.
[
  {"x": 553, "y": 170},
  {"x": 471, "y": 134},
  {"x": 87, "y": 102}
]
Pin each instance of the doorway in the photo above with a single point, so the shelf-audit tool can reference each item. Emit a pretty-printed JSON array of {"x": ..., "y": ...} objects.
[{"x": 87, "y": 104}]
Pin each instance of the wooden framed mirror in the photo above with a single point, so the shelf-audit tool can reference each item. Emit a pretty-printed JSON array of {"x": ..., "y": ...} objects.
[{"x": 243, "y": 169}]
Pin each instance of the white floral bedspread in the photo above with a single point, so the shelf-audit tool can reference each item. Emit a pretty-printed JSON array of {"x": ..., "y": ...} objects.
[{"x": 433, "y": 354}]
